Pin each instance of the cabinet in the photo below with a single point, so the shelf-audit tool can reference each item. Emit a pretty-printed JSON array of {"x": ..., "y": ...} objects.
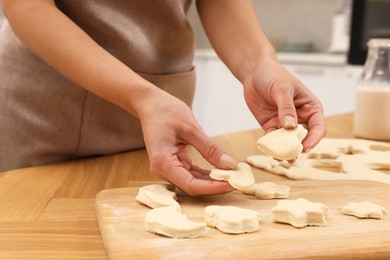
[
  {"x": 219, "y": 104},
  {"x": 334, "y": 85}
]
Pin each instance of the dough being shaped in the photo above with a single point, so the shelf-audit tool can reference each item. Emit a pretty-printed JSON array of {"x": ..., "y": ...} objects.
[
  {"x": 300, "y": 213},
  {"x": 157, "y": 195},
  {"x": 240, "y": 177},
  {"x": 268, "y": 163},
  {"x": 364, "y": 209},
  {"x": 232, "y": 220},
  {"x": 170, "y": 222},
  {"x": 283, "y": 144},
  {"x": 268, "y": 190}
]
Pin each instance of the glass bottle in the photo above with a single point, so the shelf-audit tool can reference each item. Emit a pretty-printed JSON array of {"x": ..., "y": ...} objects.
[{"x": 372, "y": 111}]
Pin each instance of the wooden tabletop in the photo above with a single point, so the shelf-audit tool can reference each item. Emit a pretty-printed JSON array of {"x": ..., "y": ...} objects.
[{"x": 48, "y": 212}]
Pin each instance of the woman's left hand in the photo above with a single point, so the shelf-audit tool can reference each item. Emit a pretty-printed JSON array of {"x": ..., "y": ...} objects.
[{"x": 277, "y": 99}]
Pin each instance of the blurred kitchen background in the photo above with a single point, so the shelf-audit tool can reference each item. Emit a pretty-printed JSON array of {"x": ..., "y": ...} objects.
[
  {"x": 1, "y": 14},
  {"x": 312, "y": 39}
]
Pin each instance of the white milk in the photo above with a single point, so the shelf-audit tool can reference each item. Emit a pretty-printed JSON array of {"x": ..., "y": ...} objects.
[{"x": 372, "y": 114}]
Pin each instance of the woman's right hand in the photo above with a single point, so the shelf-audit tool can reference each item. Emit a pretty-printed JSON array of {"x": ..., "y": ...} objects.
[{"x": 168, "y": 127}]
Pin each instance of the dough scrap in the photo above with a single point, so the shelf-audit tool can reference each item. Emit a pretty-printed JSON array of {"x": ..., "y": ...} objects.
[
  {"x": 170, "y": 222},
  {"x": 268, "y": 190},
  {"x": 364, "y": 209},
  {"x": 231, "y": 219},
  {"x": 240, "y": 178},
  {"x": 331, "y": 148},
  {"x": 350, "y": 159},
  {"x": 157, "y": 195},
  {"x": 300, "y": 213},
  {"x": 283, "y": 144}
]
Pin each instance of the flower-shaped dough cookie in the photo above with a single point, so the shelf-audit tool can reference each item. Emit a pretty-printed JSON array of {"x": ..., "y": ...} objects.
[
  {"x": 170, "y": 222},
  {"x": 364, "y": 209},
  {"x": 268, "y": 190},
  {"x": 231, "y": 219},
  {"x": 300, "y": 213},
  {"x": 157, "y": 195},
  {"x": 240, "y": 177}
]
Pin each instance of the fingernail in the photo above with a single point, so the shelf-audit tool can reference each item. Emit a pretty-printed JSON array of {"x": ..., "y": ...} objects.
[
  {"x": 289, "y": 122},
  {"x": 228, "y": 161},
  {"x": 308, "y": 149}
]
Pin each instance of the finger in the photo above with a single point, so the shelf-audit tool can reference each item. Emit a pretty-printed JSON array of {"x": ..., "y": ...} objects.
[
  {"x": 270, "y": 125},
  {"x": 200, "y": 170},
  {"x": 210, "y": 150},
  {"x": 185, "y": 160},
  {"x": 185, "y": 181},
  {"x": 292, "y": 161},
  {"x": 317, "y": 130},
  {"x": 199, "y": 175},
  {"x": 286, "y": 110}
]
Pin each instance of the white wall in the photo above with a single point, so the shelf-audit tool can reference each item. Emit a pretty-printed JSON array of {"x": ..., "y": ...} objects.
[
  {"x": 286, "y": 20},
  {"x": 219, "y": 105}
]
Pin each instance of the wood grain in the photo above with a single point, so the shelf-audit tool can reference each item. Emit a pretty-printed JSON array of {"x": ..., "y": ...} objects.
[
  {"x": 47, "y": 212},
  {"x": 121, "y": 217}
]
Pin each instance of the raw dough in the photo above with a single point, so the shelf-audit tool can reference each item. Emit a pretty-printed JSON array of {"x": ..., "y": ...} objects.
[
  {"x": 283, "y": 144},
  {"x": 231, "y": 219},
  {"x": 157, "y": 195},
  {"x": 350, "y": 159},
  {"x": 240, "y": 178},
  {"x": 170, "y": 222},
  {"x": 331, "y": 148},
  {"x": 364, "y": 209},
  {"x": 300, "y": 213},
  {"x": 268, "y": 190}
]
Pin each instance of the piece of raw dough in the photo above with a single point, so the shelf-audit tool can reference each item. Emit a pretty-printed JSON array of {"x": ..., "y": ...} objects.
[
  {"x": 268, "y": 190},
  {"x": 170, "y": 222},
  {"x": 364, "y": 209},
  {"x": 300, "y": 213},
  {"x": 283, "y": 144},
  {"x": 240, "y": 177},
  {"x": 359, "y": 166},
  {"x": 331, "y": 148},
  {"x": 231, "y": 219},
  {"x": 157, "y": 195}
]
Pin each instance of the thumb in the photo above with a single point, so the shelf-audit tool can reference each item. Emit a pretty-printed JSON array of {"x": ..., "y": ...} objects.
[
  {"x": 211, "y": 151},
  {"x": 287, "y": 114}
]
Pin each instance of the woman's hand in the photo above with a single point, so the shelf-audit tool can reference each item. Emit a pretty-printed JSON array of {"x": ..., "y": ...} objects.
[
  {"x": 169, "y": 126},
  {"x": 277, "y": 99}
]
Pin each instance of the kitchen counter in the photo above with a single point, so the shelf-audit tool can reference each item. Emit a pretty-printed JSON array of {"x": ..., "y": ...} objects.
[{"x": 47, "y": 212}]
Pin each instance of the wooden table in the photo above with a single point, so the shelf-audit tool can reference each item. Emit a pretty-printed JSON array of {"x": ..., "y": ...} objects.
[{"x": 48, "y": 212}]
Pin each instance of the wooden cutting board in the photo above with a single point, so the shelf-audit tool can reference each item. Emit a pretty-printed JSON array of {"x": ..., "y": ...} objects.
[{"x": 121, "y": 219}]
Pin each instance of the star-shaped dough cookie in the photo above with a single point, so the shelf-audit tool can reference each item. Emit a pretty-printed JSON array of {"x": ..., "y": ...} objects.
[
  {"x": 300, "y": 213},
  {"x": 364, "y": 209}
]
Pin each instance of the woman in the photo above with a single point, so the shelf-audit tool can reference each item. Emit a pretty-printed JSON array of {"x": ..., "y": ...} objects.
[{"x": 83, "y": 78}]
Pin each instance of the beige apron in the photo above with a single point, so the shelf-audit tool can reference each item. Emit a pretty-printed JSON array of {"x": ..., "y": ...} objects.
[{"x": 44, "y": 118}]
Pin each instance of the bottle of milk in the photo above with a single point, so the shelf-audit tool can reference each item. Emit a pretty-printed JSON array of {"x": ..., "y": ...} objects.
[{"x": 372, "y": 112}]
